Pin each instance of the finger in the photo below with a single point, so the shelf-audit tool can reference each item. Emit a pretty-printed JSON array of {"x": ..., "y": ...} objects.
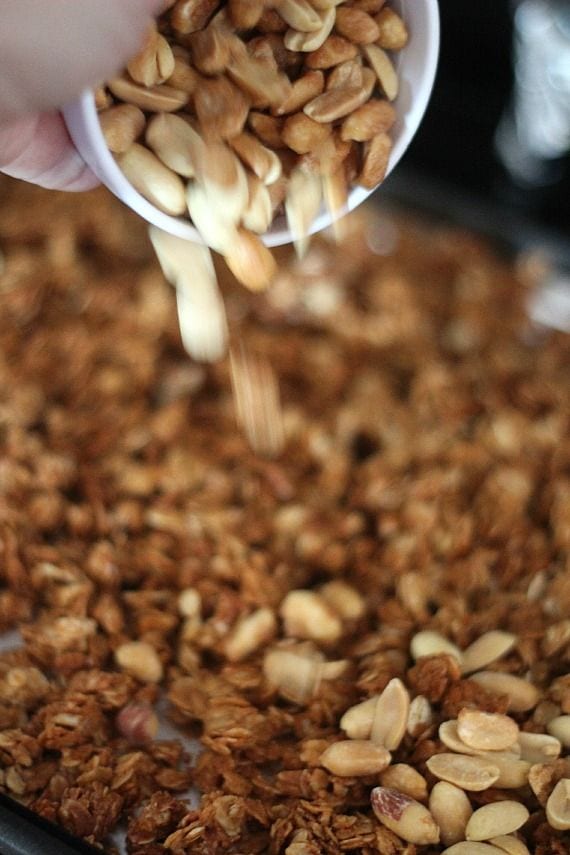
[
  {"x": 50, "y": 50},
  {"x": 38, "y": 149}
]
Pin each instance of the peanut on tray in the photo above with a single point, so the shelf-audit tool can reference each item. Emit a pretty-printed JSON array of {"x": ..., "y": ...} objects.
[{"x": 235, "y": 111}]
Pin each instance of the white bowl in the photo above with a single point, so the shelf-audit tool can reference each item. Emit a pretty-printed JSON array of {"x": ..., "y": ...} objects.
[{"x": 416, "y": 66}]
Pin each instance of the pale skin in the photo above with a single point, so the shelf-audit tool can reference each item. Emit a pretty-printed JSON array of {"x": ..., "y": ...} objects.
[{"x": 50, "y": 51}]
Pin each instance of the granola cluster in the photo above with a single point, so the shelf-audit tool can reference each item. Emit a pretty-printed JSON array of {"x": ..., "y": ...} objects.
[{"x": 368, "y": 634}]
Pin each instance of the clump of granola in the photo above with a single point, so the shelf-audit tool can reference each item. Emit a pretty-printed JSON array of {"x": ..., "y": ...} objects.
[{"x": 379, "y": 611}]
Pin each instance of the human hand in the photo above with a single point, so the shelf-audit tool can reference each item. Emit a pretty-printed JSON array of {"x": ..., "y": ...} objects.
[{"x": 51, "y": 50}]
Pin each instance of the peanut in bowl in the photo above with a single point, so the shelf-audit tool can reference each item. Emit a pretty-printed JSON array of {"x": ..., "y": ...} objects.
[{"x": 412, "y": 69}]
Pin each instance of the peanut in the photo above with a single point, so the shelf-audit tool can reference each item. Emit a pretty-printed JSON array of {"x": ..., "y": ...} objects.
[
  {"x": 174, "y": 142},
  {"x": 406, "y": 817},
  {"x": 250, "y": 261},
  {"x": 153, "y": 179},
  {"x": 358, "y": 27},
  {"x": 299, "y": 14},
  {"x": 189, "y": 16},
  {"x": 332, "y": 52},
  {"x": 354, "y": 757},
  {"x": 392, "y": 32},
  {"x": 140, "y": 660},
  {"x": 154, "y": 99},
  {"x": 221, "y": 108},
  {"x": 245, "y": 14},
  {"x": 337, "y": 103},
  {"x": 375, "y": 117},
  {"x": 303, "y": 90},
  {"x": 302, "y": 134},
  {"x": 308, "y": 42},
  {"x": 122, "y": 125},
  {"x": 155, "y": 62},
  {"x": 384, "y": 69}
]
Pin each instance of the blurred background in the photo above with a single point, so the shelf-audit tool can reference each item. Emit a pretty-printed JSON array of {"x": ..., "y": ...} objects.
[{"x": 493, "y": 148}]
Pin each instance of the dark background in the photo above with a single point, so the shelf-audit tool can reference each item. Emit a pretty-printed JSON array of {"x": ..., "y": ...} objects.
[{"x": 453, "y": 151}]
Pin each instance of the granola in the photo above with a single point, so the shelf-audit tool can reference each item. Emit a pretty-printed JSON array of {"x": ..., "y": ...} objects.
[{"x": 409, "y": 541}]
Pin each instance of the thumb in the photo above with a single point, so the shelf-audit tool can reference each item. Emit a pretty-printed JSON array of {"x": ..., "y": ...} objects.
[{"x": 50, "y": 50}]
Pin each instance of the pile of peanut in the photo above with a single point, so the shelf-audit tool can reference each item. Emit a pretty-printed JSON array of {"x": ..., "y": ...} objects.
[{"x": 234, "y": 111}]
